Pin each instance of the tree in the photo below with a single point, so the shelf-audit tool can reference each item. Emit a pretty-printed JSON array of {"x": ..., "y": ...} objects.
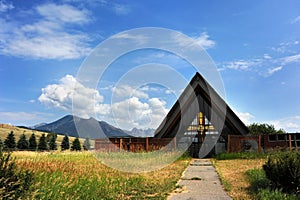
[
  {"x": 76, "y": 146},
  {"x": 10, "y": 141},
  {"x": 86, "y": 144},
  {"x": 42, "y": 143},
  {"x": 65, "y": 144},
  {"x": 261, "y": 129},
  {"x": 52, "y": 141},
  {"x": 1, "y": 144},
  {"x": 32, "y": 142},
  {"x": 22, "y": 143}
]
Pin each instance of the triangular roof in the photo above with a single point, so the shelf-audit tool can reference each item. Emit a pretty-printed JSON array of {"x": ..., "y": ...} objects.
[{"x": 199, "y": 96}]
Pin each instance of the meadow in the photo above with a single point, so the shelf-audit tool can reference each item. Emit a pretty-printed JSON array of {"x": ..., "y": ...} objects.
[{"x": 79, "y": 175}]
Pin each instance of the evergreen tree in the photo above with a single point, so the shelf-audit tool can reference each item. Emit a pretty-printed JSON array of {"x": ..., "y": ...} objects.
[
  {"x": 1, "y": 144},
  {"x": 52, "y": 141},
  {"x": 10, "y": 141},
  {"x": 22, "y": 142},
  {"x": 76, "y": 145},
  {"x": 32, "y": 142},
  {"x": 65, "y": 144},
  {"x": 42, "y": 143},
  {"x": 86, "y": 144}
]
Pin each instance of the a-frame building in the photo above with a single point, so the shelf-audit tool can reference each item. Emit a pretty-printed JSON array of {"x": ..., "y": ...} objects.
[
  {"x": 200, "y": 122},
  {"x": 200, "y": 115}
]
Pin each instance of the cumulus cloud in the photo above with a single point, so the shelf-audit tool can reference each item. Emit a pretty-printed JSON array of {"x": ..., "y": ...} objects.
[
  {"x": 289, "y": 124},
  {"x": 133, "y": 112},
  {"x": 49, "y": 37},
  {"x": 124, "y": 91},
  {"x": 71, "y": 96},
  {"x": 245, "y": 117}
]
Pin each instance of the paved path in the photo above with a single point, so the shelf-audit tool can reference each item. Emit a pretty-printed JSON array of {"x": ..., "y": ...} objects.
[{"x": 199, "y": 181}]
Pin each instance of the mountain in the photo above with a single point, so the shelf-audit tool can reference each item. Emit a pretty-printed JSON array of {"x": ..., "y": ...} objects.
[
  {"x": 142, "y": 132},
  {"x": 83, "y": 128}
]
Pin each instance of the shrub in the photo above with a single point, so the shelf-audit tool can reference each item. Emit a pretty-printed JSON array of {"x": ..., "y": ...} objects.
[
  {"x": 283, "y": 170},
  {"x": 14, "y": 183}
]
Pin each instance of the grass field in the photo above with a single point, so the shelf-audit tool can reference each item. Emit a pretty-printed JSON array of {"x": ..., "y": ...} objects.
[{"x": 79, "y": 175}]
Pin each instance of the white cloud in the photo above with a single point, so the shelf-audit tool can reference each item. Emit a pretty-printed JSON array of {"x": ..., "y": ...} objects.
[
  {"x": 125, "y": 91},
  {"x": 71, "y": 96},
  {"x": 120, "y": 9},
  {"x": 132, "y": 113},
  {"x": 63, "y": 13},
  {"x": 49, "y": 37},
  {"x": 289, "y": 124},
  {"x": 264, "y": 66},
  {"x": 246, "y": 117},
  {"x": 291, "y": 59},
  {"x": 5, "y": 6},
  {"x": 203, "y": 40},
  {"x": 21, "y": 118},
  {"x": 273, "y": 70},
  {"x": 242, "y": 65},
  {"x": 295, "y": 20}
]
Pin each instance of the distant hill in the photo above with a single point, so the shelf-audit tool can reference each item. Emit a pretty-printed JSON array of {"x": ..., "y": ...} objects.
[
  {"x": 142, "y": 132},
  {"x": 5, "y": 129},
  {"x": 82, "y": 128}
]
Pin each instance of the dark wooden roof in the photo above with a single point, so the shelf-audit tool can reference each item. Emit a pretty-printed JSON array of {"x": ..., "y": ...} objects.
[{"x": 199, "y": 96}]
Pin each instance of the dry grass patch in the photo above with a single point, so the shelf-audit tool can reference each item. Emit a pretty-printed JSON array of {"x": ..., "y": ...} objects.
[
  {"x": 79, "y": 175},
  {"x": 233, "y": 171}
]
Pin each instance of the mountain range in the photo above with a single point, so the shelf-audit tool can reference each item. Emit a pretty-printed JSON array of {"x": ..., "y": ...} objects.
[{"x": 91, "y": 128}]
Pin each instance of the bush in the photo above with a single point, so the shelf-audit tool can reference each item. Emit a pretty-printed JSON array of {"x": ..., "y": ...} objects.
[
  {"x": 283, "y": 170},
  {"x": 14, "y": 183}
]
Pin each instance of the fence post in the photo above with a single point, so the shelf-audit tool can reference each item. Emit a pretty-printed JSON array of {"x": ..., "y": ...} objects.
[
  {"x": 259, "y": 143},
  {"x": 121, "y": 144},
  {"x": 290, "y": 142},
  {"x": 175, "y": 143},
  {"x": 147, "y": 144},
  {"x": 228, "y": 148}
]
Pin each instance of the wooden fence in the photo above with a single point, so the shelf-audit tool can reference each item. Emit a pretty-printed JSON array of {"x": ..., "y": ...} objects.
[{"x": 134, "y": 144}]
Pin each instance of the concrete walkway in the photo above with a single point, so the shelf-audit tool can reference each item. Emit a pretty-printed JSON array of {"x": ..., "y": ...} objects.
[{"x": 199, "y": 181}]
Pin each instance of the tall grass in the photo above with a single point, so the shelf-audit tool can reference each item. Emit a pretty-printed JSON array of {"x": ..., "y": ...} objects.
[{"x": 79, "y": 175}]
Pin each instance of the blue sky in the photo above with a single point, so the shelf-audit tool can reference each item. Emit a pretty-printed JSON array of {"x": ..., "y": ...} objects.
[{"x": 254, "y": 44}]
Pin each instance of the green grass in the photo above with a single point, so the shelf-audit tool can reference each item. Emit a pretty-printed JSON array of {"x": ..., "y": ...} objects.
[
  {"x": 79, "y": 175},
  {"x": 241, "y": 155}
]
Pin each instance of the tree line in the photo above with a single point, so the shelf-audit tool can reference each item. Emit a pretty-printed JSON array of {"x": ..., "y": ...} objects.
[{"x": 45, "y": 143}]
